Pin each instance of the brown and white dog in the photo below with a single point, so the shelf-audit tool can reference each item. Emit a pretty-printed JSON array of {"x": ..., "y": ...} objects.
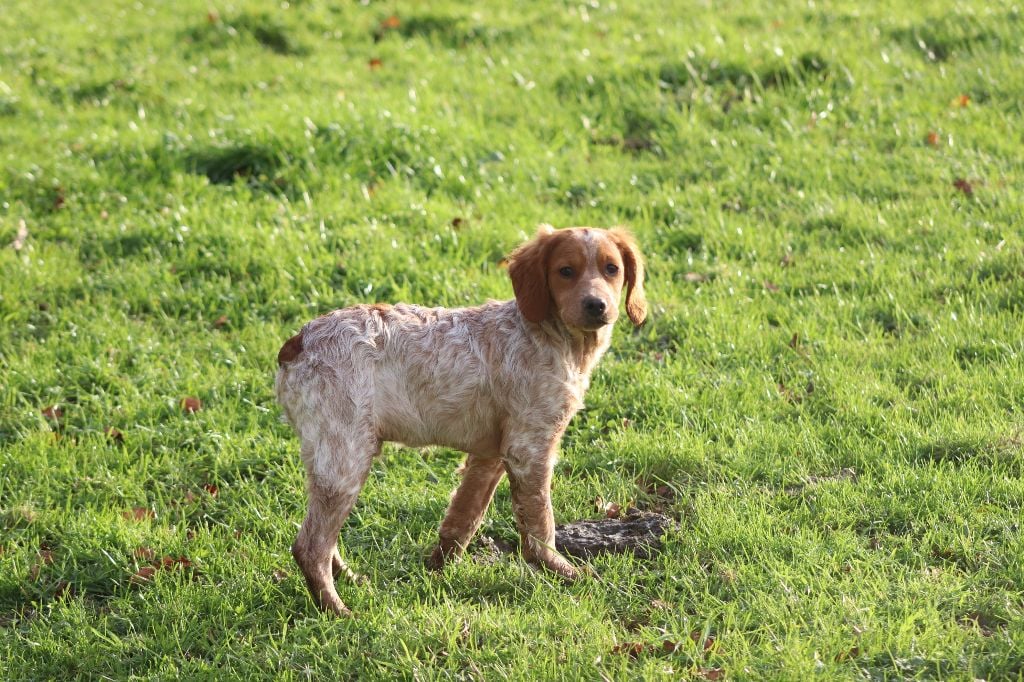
[{"x": 499, "y": 381}]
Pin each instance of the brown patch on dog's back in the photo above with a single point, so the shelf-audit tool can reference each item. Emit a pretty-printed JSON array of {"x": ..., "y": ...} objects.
[{"x": 291, "y": 349}]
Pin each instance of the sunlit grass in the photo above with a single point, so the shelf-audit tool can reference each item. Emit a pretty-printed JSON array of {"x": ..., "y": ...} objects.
[{"x": 830, "y": 383}]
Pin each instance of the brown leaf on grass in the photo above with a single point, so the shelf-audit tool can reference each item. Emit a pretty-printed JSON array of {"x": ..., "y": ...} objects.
[
  {"x": 794, "y": 342},
  {"x": 211, "y": 488},
  {"x": 789, "y": 395},
  {"x": 58, "y": 199},
  {"x": 613, "y": 510},
  {"x": 669, "y": 647},
  {"x": 631, "y": 649},
  {"x": 63, "y": 589},
  {"x": 212, "y": 17},
  {"x": 665, "y": 492},
  {"x": 19, "y": 238},
  {"x": 144, "y": 553},
  {"x": 391, "y": 23},
  {"x": 705, "y": 643},
  {"x": 695, "y": 277},
  {"x": 375, "y": 64},
  {"x": 220, "y": 322},
  {"x": 191, "y": 404},
  {"x": 964, "y": 186},
  {"x": 142, "y": 575},
  {"x": 138, "y": 514},
  {"x": 113, "y": 435},
  {"x": 53, "y": 412},
  {"x": 961, "y": 101},
  {"x": 456, "y": 222},
  {"x": 711, "y": 673},
  {"x": 174, "y": 562},
  {"x": 849, "y": 654},
  {"x": 933, "y": 138},
  {"x": 771, "y": 286}
]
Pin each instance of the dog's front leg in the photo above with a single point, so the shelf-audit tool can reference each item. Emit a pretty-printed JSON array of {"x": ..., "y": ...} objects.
[
  {"x": 529, "y": 480},
  {"x": 480, "y": 476}
]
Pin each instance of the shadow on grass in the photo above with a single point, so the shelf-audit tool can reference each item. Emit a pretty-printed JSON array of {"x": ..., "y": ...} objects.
[
  {"x": 949, "y": 36},
  {"x": 450, "y": 31},
  {"x": 264, "y": 29}
]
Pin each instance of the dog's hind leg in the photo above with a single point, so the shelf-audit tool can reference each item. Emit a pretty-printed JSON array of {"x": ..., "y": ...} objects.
[{"x": 336, "y": 468}]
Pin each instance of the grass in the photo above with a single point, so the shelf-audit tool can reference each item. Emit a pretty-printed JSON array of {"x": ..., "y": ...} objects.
[{"x": 830, "y": 383}]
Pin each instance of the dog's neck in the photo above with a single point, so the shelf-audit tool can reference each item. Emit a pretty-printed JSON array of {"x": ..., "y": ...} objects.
[{"x": 584, "y": 348}]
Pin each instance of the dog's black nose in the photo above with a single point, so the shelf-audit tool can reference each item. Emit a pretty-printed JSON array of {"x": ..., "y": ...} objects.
[{"x": 594, "y": 307}]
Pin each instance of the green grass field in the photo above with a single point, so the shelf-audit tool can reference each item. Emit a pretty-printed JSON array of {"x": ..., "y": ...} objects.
[{"x": 830, "y": 383}]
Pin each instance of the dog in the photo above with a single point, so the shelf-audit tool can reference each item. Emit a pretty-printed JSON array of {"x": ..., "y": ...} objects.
[{"x": 498, "y": 381}]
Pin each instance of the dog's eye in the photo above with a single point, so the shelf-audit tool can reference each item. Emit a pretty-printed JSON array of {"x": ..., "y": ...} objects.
[
  {"x": 566, "y": 272},
  {"x": 611, "y": 269}
]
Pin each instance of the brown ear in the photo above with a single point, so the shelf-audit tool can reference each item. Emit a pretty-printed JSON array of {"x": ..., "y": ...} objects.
[
  {"x": 527, "y": 269},
  {"x": 636, "y": 300}
]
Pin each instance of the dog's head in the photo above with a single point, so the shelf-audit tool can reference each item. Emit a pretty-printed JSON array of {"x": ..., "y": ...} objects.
[{"x": 578, "y": 274}]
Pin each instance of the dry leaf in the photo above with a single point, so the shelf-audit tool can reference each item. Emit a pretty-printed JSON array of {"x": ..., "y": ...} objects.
[
  {"x": 391, "y": 23},
  {"x": 695, "y": 277},
  {"x": 138, "y": 514},
  {"x": 847, "y": 655},
  {"x": 211, "y": 488},
  {"x": 191, "y": 404},
  {"x": 375, "y": 64},
  {"x": 142, "y": 575},
  {"x": 212, "y": 17},
  {"x": 933, "y": 139},
  {"x": 113, "y": 434},
  {"x": 456, "y": 222},
  {"x": 220, "y": 322},
  {"x": 613, "y": 510},
  {"x": 53, "y": 412},
  {"x": 705, "y": 643},
  {"x": 964, "y": 186},
  {"x": 961, "y": 101},
  {"x": 631, "y": 649},
  {"x": 711, "y": 673}
]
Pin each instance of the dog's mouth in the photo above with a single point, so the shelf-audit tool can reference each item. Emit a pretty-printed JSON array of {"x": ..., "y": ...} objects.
[{"x": 596, "y": 323}]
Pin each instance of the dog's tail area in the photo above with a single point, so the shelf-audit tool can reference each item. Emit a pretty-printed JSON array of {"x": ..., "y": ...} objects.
[{"x": 289, "y": 353}]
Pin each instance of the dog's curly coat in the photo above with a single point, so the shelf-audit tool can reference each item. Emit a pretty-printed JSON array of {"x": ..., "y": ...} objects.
[{"x": 499, "y": 381}]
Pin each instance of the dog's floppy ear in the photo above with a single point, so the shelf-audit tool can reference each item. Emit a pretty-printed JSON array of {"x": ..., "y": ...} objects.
[
  {"x": 636, "y": 300},
  {"x": 527, "y": 268}
]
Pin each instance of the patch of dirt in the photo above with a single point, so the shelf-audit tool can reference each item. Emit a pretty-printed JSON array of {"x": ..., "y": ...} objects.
[{"x": 638, "y": 533}]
